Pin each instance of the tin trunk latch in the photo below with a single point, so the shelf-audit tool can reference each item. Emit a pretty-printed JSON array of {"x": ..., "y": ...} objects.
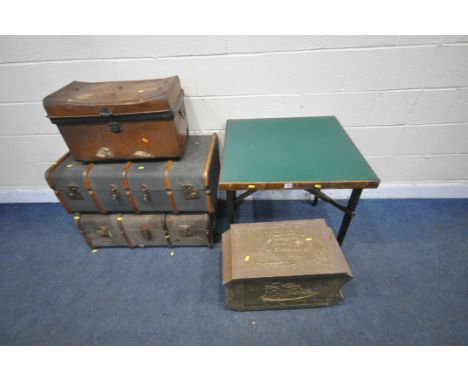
[
  {"x": 103, "y": 231},
  {"x": 146, "y": 193},
  {"x": 190, "y": 192},
  {"x": 145, "y": 231},
  {"x": 115, "y": 192},
  {"x": 114, "y": 125},
  {"x": 74, "y": 193}
]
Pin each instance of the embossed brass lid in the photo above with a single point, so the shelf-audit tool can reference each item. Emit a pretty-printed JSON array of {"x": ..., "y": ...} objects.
[{"x": 281, "y": 249}]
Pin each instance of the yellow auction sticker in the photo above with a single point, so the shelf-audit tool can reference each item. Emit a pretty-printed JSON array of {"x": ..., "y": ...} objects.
[{"x": 251, "y": 186}]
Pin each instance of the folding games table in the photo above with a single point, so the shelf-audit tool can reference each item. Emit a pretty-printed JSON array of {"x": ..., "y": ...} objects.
[{"x": 310, "y": 153}]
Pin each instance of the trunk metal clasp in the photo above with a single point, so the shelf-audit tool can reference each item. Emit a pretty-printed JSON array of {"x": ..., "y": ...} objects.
[
  {"x": 115, "y": 192},
  {"x": 185, "y": 230},
  {"x": 190, "y": 192},
  {"x": 103, "y": 231},
  {"x": 145, "y": 231},
  {"x": 74, "y": 193},
  {"x": 146, "y": 193}
]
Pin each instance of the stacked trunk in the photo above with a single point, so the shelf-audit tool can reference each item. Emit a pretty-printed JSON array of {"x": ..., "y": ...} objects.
[{"x": 133, "y": 176}]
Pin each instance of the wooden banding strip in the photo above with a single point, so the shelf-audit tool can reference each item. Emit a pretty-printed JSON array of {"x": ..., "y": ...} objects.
[
  {"x": 77, "y": 219},
  {"x": 49, "y": 181},
  {"x": 206, "y": 174},
  {"x": 167, "y": 235},
  {"x": 167, "y": 184},
  {"x": 51, "y": 169},
  {"x": 172, "y": 202},
  {"x": 119, "y": 219},
  {"x": 63, "y": 202},
  {"x": 89, "y": 188},
  {"x": 209, "y": 202},
  {"x": 126, "y": 186},
  {"x": 206, "y": 169},
  {"x": 167, "y": 180},
  {"x": 209, "y": 230}
]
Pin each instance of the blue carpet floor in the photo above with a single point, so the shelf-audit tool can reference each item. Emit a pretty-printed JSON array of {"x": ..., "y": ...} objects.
[{"x": 410, "y": 286}]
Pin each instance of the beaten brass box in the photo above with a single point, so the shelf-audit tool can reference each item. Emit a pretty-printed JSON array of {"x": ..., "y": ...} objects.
[{"x": 280, "y": 265}]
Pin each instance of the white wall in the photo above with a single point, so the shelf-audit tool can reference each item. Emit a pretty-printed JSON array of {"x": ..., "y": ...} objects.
[{"x": 403, "y": 99}]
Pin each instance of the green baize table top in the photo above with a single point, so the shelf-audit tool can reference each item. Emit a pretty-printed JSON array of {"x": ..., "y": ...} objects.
[{"x": 288, "y": 150}]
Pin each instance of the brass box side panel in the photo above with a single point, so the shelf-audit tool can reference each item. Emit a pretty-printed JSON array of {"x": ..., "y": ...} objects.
[
  {"x": 226, "y": 257},
  {"x": 285, "y": 292}
]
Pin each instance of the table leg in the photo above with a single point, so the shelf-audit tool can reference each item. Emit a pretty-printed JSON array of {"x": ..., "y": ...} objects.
[
  {"x": 352, "y": 204},
  {"x": 230, "y": 198},
  {"x": 315, "y": 201}
]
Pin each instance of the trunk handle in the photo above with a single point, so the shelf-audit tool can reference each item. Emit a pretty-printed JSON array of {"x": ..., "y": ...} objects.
[
  {"x": 145, "y": 231},
  {"x": 103, "y": 231}
]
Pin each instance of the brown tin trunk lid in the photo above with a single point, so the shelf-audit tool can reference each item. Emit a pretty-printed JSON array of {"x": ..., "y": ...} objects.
[{"x": 113, "y": 99}]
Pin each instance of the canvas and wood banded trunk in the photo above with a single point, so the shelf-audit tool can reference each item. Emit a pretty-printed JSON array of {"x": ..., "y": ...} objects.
[
  {"x": 189, "y": 184},
  {"x": 280, "y": 265},
  {"x": 146, "y": 230},
  {"x": 121, "y": 120}
]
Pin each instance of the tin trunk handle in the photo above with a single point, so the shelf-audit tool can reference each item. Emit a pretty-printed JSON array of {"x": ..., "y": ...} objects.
[
  {"x": 145, "y": 231},
  {"x": 115, "y": 192}
]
